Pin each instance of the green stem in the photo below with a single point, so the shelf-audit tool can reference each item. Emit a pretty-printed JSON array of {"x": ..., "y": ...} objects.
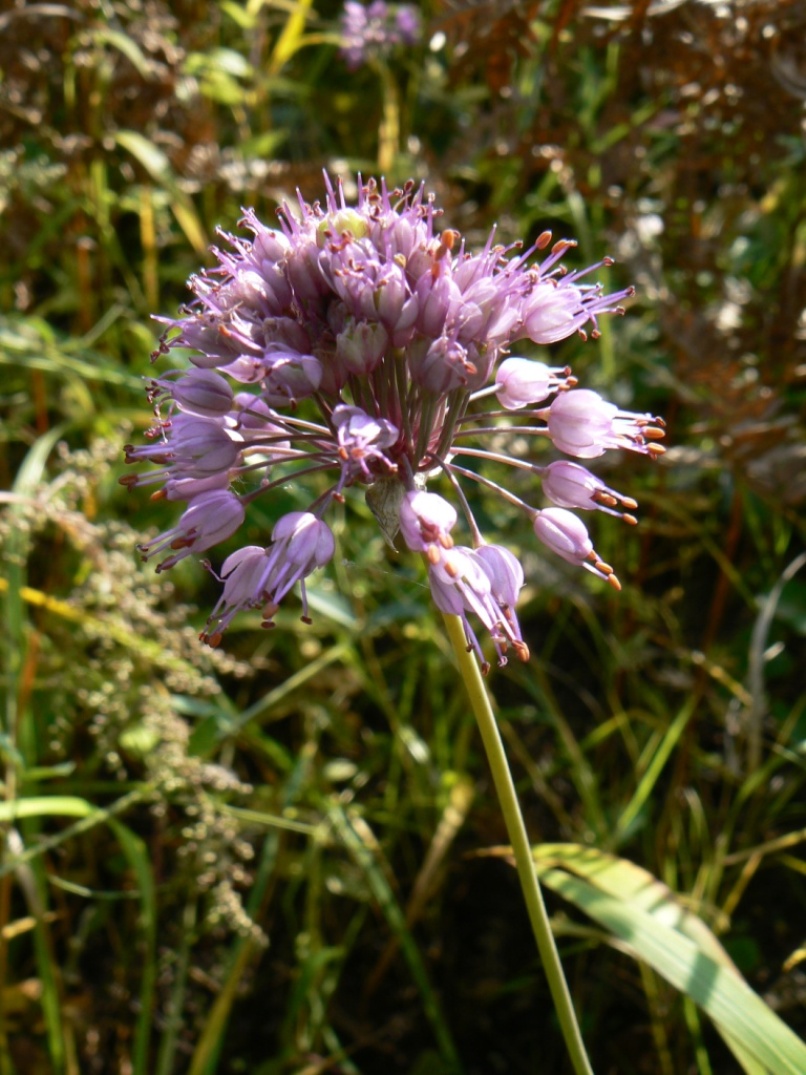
[{"x": 510, "y": 807}]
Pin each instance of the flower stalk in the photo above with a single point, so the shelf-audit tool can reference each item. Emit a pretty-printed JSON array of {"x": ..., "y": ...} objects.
[{"x": 519, "y": 841}]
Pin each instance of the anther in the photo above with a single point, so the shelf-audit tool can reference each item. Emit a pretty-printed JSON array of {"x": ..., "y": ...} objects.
[
  {"x": 447, "y": 241},
  {"x": 521, "y": 649}
]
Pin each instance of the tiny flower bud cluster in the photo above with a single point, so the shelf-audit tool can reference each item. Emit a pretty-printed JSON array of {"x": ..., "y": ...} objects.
[{"x": 363, "y": 342}]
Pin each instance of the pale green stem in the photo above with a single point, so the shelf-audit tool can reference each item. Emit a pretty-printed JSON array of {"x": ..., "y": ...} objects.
[{"x": 521, "y": 849}]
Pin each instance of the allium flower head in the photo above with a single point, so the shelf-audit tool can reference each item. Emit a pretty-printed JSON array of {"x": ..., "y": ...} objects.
[{"x": 365, "y": 342}]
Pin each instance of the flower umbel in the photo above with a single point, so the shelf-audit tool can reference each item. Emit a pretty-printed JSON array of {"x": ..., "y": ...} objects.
[{"x": 362, "y": 341}]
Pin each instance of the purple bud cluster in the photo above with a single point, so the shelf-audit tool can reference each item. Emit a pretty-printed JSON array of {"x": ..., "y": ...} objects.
[
  {"x": 373, "y": 31},
  {"x": 362, "y": 341}
]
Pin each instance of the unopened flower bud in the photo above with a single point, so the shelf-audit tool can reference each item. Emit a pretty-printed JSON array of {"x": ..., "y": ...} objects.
[{"x": 361, "y": 346}]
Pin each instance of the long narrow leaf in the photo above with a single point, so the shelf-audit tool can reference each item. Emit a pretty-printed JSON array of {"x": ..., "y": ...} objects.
[
  {"x": 635, "y": 886},
  {"x": 724, "y": 996}
]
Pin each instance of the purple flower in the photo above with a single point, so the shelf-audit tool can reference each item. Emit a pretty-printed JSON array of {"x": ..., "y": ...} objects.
[
  {"x": 426, "y": 521},
  {"x": 466, "y": 581},
  {"x": 362, "y": 342},
  {"x": 584, "y": 425},
  {"x": 255, "y": 577},
  {"x": 372, "y": 32},
  {"x": 521, "y": 381},
  {"x": 564, "y": 533},
  {"x": 362, "y": 439},
  {"x": 568, "y": 485},
  {"x": 189, "y": 446},
  {"x": 210, "y": 517},
  {"x": 407, "y": 24},
  {"x": 200, "y": 392}
]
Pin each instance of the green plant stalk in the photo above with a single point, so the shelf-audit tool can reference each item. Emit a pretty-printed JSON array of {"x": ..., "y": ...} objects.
[{"x": 521, "y": 848}]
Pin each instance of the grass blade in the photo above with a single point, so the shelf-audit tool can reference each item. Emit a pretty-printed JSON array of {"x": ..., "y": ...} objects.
[
  {"x": 739, "y": 1014},
  {"x": 348, "y": 832}
]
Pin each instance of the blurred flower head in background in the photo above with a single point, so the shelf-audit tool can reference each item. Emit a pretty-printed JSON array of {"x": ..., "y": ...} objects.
[
  {"x": 364, "y": 342},
  {"x": 373, "y": 31}
]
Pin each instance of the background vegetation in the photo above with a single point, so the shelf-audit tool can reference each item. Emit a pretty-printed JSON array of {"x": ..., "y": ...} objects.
[{"x": 284, "y": 856}]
